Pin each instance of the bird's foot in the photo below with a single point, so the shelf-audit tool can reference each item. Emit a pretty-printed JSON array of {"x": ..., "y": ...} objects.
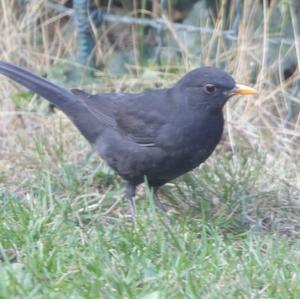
[
  {"x": 158, "y": 203},
  {"x": 130, "y": 194},
  {"x": 132, "y": 208}
]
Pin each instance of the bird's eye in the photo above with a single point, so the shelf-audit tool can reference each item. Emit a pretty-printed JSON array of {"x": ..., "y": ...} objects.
[{"x": 210, "y": 88}]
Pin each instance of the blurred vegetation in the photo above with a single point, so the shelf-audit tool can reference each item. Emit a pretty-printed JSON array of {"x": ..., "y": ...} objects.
[{"x": 261, "y": 33}]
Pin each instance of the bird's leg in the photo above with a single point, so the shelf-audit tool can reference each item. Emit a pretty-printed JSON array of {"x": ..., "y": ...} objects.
[
  {"x": 157, "y": 200},
  {"x": 130, "y": 194}
]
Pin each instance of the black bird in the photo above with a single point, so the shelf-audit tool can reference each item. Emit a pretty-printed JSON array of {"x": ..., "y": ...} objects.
[{"x": 158, "y": 135}]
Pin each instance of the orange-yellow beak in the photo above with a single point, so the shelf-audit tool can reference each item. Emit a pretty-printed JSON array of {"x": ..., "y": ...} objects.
[{"x": 243, "y": 90}]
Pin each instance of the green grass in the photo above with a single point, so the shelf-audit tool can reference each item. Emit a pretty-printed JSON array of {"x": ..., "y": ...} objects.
[
  {"x": 61, "y": 236},
  {"x": 49, "y": 250}
]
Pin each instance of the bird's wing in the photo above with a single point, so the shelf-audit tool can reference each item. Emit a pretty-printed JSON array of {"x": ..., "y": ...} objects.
[
  {"x": 135, "y": 116},
  {"x": 101, "y": 107}
]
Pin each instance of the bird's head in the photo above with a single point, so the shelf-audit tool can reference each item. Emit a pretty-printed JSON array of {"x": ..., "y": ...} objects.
[{"x": 210, "y": 86}]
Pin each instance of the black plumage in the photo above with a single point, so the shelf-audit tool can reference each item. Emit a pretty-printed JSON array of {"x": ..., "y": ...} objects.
[{"x": 158, "y": 134}]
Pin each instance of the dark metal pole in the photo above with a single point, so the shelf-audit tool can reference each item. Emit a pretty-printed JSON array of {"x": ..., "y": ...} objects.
[{"x": 85, "y": 39}]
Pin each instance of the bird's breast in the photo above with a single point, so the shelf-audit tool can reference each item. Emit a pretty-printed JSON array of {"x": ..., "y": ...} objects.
[
  {"x": 192, "y": 134},
  {"x": 193, "y": 141}
]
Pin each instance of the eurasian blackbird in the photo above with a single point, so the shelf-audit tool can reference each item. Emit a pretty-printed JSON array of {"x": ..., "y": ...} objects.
[{"x": 158, "y": 135}]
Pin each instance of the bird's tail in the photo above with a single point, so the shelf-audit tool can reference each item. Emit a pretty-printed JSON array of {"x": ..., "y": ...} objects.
[
  {"x": 55, "y": 94},
  {"x": 66, "y": 101}
]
